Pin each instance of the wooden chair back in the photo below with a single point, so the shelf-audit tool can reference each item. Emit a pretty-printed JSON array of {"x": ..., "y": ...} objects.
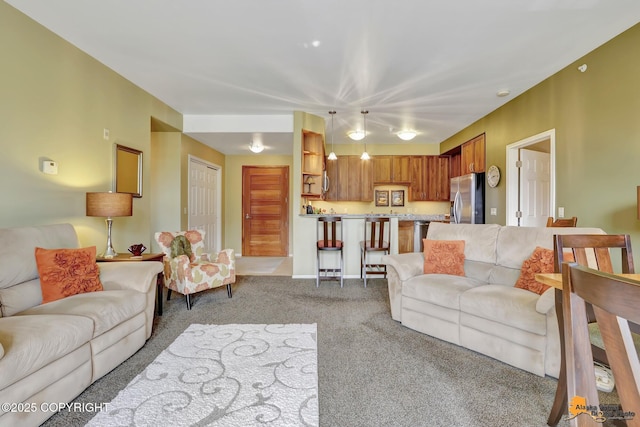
[
  {"x": 328, "y": 233},
  {"x": 376, "y": 237},
  {"x": 615, "y": 301},
  {"x": 593, "y": 250},
  {"x": 562, "y": 222}
]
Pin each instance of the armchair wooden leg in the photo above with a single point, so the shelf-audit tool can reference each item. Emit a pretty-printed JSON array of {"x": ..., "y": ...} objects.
[
  {"x": 168, "y": 294},
  {"x": 188, "y": 301},
  {"x": 229, "y": 290}
]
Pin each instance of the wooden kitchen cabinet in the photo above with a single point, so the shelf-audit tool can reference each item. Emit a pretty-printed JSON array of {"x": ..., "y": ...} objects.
[
  {"x": 382, "y": 169},
  {"x": 401, "y": 171},
  {"x": 331, "y": 167},
  {"x": 438, "y": 179},
  {"x": 405, "y": 237},
  {"x": 313, "y": 164},
  {"x": 366, "y": 183},
  {"x": 418, "y": 186},
  {"x": 391, "y": 169},
  {"x": 429, "y": 178},
  {"x": 454, "y": 164},
  {"x": 350, "y": 179},
  {"x": 473, "y": 155}
]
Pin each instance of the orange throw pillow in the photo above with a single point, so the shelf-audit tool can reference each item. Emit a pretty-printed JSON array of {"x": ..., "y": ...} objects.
[
  {"x": 66, "y": 272},
  {"x": 444, "y": 257},
  {"x": 540, "y": 261}
]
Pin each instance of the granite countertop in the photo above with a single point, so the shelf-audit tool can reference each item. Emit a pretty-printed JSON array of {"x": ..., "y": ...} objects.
[{"x": 400, "y": 216}]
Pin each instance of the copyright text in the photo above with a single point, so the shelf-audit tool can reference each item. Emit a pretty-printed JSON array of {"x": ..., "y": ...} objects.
[{"x": 54, "y": 407}]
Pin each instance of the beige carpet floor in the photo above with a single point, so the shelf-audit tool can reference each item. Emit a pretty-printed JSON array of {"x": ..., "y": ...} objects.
[{"x": 264, "y": 266}]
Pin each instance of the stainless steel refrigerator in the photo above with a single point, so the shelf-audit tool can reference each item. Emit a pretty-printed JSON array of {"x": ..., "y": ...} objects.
[{"x": 467, "y": 199}]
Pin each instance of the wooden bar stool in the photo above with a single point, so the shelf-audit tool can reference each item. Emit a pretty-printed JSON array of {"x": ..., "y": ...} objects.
[
  {"x": 328, "y": 234},
  {"x": 377, "y": 234}
]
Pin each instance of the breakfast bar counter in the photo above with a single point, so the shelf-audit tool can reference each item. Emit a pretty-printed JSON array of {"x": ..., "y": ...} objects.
[{"x": 352, "y": 234}]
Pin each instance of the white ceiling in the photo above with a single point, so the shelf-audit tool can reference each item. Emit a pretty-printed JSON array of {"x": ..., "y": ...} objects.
[{"x": 431, "y": 65}]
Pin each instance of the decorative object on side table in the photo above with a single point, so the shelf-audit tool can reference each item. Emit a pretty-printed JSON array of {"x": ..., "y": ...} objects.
[
  {"x": 109, "y": 205},
  {"x": 382, "y": 197},
  {"x": 136, "y": 250},
  {"x": 397, "y": 198},
  {"x": 142, "y": 257}
]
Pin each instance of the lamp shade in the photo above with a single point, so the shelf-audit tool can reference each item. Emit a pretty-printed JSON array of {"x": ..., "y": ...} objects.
[{"x": 109, "y": 204}]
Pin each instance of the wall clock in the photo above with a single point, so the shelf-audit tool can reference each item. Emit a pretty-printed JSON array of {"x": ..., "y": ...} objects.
[{"x": 493, "y": 176}]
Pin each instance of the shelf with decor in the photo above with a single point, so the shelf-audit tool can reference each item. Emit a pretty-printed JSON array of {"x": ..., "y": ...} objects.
[{"x": 312, "y": 165}]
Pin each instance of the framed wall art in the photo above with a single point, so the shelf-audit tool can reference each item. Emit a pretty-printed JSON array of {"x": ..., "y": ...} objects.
[
  {"x": 382, "y": 197},
  {"x": 397, "y": 198},
  {"x": 128, "y": 170}
]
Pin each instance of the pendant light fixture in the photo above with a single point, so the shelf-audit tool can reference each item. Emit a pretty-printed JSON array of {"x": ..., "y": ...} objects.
[
  {"x": 332, "y": 154},
  {"x": 365, "y": 155}
]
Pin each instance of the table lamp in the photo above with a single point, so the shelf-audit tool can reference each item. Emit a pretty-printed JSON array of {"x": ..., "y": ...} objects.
[{"x": 109, "y": 205}]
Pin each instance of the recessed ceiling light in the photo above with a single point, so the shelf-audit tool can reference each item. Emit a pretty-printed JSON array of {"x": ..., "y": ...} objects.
[
  {"x": 503, "y": 92},
  {"x": 315, "y": 43}
]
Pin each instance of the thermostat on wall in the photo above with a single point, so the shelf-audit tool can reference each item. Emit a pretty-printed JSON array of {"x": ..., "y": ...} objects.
[{"x": 50, "y": 167}]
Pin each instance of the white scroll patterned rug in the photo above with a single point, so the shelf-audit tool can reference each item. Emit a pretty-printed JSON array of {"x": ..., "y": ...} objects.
[{"x": 225, "y": 375}]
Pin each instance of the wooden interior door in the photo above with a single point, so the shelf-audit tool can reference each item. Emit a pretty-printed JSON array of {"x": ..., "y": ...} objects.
[{"x": 265, "y": 211}]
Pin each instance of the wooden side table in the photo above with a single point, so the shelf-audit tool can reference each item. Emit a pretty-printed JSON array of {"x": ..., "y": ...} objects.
[{"x": 143, "y": 257}]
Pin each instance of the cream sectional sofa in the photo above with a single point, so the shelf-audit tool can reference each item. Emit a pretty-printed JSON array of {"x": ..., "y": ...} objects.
[
  {"x": 483, "y": 311},
  {"x": 49, "y": 353}
]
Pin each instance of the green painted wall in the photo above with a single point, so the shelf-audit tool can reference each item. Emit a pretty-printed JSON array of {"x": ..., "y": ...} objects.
[
  {"x": 55, "y": 103},
  {"x": 596, "y": 118}
]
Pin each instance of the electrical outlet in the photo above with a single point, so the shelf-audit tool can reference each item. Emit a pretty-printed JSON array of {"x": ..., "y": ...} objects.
[
  {"x": 494, "y": 211},
  {"x": 105, "y": 134},
  {"x": 560, "y": 212}
]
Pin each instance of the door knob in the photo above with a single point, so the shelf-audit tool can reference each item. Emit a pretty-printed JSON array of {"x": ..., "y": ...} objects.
[{"x": 247, "y": 216}]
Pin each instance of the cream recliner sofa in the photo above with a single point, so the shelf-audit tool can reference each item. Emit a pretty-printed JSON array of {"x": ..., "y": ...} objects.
[
  {"x": 483, "y": 311},
  {"x": 49, "y": 353}
]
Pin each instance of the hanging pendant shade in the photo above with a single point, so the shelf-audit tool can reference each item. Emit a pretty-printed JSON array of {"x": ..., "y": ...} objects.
[
  {"x": 365, "y": 155},
  {"x": 332, "y": 154}
]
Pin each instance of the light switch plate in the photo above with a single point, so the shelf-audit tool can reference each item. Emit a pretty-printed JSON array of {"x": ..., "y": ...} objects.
[
  {"x": 494, "y": 211},
  {"x": 560, "y": 212}
]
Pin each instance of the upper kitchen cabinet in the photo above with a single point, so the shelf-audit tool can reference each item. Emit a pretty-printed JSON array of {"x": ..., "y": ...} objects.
[
  {"x": 429, "y": 178},
  {"x": 473, "y": 156},
  {"x": 313, "y": 163},
  {"x": 391, "y": 170},
  {"x": 438, "y": 182},
  {"x": 418, "y": 187},
  {"x": 349, "y": 179}
]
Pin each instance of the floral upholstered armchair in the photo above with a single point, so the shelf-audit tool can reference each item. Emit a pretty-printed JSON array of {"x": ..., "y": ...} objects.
[{"x": 188, "y": 269}]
